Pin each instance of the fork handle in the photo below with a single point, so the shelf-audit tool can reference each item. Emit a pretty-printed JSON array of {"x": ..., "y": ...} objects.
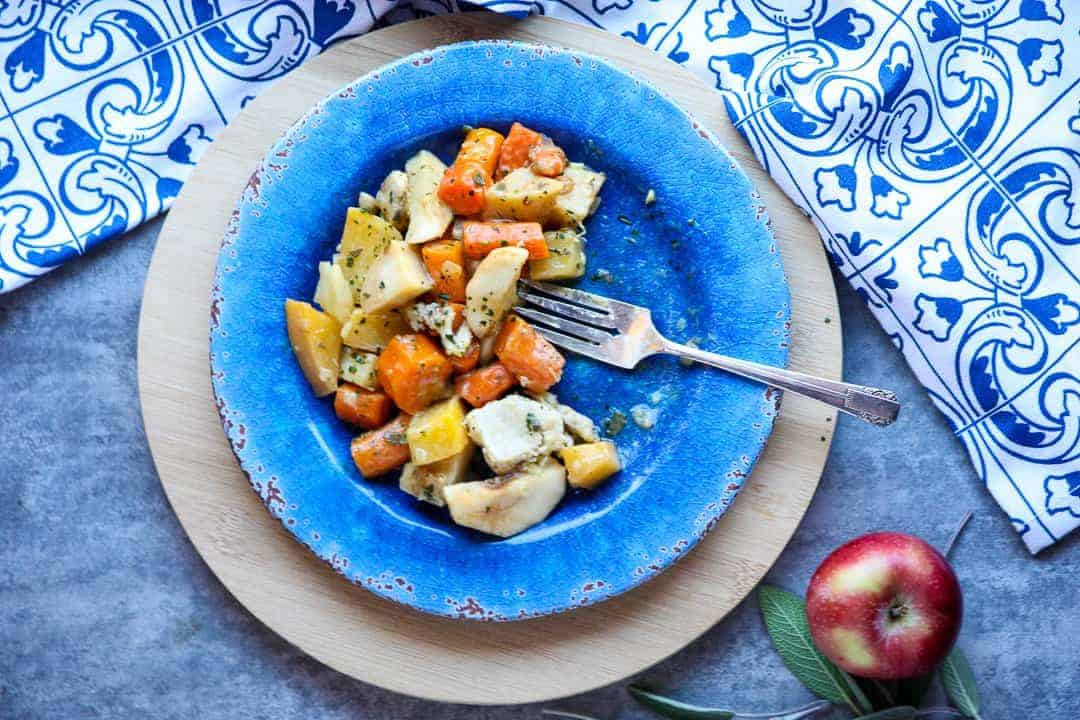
[{"x": 877, "y": 407}]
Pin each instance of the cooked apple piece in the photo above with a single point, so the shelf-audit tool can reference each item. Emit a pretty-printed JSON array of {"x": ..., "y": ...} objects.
[
  {"x": 581, "y": 197},
  {"x": 392, "y": 199},
  {"x": 590, "y": 464},
  {"x": 315, "y": 337},
  {"x": 372, "y": 331},
  {"x": 506, "y": 505},
  {"x": 363, "y": 240},
  {"x": 514, "y": 430},
  {"x": 397, "y": 277},
  {"x": 428, "y": 215},
  {"x": 358, "y": 368},
  {"x": 565, "y": 260},
  {"x": 437, "y": 432},
  {"x": 332, "y": 293},
  {"x": 427, "y": 482},
  {"x": 492, "y": 290},
  {"x": 523, "y": 195}
]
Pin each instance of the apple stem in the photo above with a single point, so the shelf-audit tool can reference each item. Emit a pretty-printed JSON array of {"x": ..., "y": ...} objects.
[{"x": 956, "y": 533}]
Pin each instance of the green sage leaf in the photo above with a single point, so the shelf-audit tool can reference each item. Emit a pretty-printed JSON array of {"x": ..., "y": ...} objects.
[
  {"x": 959, "y": 683},
  {"x": 566, "y": 714},
  {"x": 857, "y": 692},
  {"x": 900, "y": 712},
  {"x": 785, "y": 619},
  {"x": 671, "y": 708},
  {"x": 912, "y": 691},
  {"x": 678, "y": 710}
]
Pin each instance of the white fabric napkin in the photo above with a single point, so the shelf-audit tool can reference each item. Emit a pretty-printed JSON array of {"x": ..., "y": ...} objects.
[{"x": 934, "y": 143}]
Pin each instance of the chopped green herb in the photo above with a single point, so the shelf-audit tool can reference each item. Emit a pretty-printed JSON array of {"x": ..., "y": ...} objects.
[
  {"x": 614, "y": 423},
  {"x": 396, "y": 438},
  {"x": 532, "y": 423}
]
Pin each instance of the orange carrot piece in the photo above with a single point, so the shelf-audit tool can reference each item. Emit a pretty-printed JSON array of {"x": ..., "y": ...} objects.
[
  {"x": 362, "y": 407},
  {"x": 548, "y": 159},
  {"x": 379, "y": 451},
  {"x": 483, "y": 237},
  {"x": 459, "y": 314},
  {"x": 481, "y": 145},
  {"x": 516, "y": 149},
  {"x": 528, "y": 355},
  {"x": 414, "y": 372},
  {"x": 480, "y": 387},
  {"x": 462, "y": 187},
  {"x": 445, "y": 262},
  {"x": 468, "y": 361}
]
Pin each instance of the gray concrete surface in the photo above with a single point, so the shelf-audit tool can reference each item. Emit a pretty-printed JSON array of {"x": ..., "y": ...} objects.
[{"x": 106, "y": 610}]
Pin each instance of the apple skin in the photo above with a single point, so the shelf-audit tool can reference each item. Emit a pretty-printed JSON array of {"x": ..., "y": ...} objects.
[{"x": 885, "y": 605}]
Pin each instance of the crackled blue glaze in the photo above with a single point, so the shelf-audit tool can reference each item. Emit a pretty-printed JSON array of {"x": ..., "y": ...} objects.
[{"x": 701, "y": 257}]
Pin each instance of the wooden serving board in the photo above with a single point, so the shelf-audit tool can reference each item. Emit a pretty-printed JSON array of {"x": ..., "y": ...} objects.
[{"x": 374, "y": 640}]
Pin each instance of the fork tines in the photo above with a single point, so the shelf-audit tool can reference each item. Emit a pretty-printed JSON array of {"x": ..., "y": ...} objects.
[{"x": 564, "y": 314}]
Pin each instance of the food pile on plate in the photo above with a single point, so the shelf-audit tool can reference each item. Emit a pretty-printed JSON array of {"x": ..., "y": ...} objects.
[{"x": 417, "y": 341}]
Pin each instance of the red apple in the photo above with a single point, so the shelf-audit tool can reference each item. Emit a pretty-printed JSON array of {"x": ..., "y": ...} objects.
[{"x": 885, "y": 605}]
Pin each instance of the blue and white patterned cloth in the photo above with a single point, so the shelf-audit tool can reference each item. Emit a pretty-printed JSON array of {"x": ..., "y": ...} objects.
[{"x": 934, "y": 143}]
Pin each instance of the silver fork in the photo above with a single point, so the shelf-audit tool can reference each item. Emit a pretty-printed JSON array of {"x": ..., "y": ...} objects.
[{"x": 622, "y": 334}]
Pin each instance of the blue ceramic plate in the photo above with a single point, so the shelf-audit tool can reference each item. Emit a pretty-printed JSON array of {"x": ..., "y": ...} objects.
[{"x": 701, "y": 257}]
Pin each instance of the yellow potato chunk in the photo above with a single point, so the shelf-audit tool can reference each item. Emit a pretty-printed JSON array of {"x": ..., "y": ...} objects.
[
  {"x": 372, "y": 331},
  {"x": 437, "y": 433},
  {"x": 565, "y": 260},
  {"x": 590, "y": 464},
  {"x": 363, "y": 240},
  {"x": 523, "y": 195},
  {"x": 426, "y": 482},
  {"x": 580, "y": 199},
  {"x": 359, "y": 368},
  {"x": 397, "y": 277},
  {"x": 315, "y": 337},
  {"x": 332, "y": 293}
]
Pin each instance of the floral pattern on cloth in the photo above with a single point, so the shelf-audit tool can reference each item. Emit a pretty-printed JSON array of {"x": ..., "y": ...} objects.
[{"x": 935, "y": 144}]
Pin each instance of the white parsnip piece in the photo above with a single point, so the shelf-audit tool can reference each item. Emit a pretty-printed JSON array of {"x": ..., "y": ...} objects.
[
  {"x": 492, "y": 290},
  {"x": 428, "y": 215}
]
